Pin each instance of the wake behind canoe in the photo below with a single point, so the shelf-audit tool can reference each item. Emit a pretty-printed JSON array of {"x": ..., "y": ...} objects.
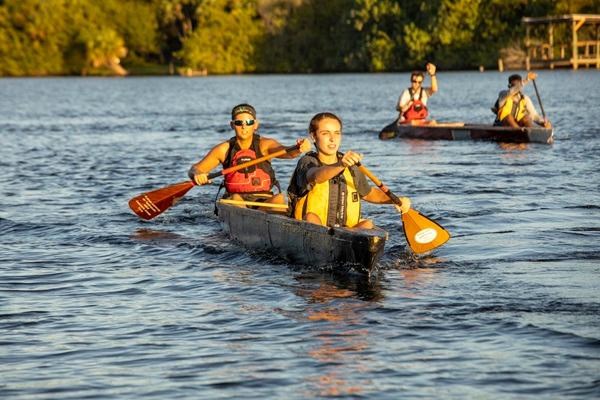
[
  {"x": 300, "y": 242},
  {"x": 459, "y": 131}
]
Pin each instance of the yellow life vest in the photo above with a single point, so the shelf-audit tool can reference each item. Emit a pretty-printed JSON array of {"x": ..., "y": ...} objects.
[
  {"x": 510, "y": 107},
  {"x": 336, "y": 201}
]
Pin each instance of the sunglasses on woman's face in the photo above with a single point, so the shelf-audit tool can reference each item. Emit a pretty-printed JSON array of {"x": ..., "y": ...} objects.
[
  {"x": 416, "y": 81},
  {"x": 241, "y": 122}
]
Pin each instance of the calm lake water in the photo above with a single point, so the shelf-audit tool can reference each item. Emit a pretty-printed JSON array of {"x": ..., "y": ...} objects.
[{"x": 96, "y": 303}]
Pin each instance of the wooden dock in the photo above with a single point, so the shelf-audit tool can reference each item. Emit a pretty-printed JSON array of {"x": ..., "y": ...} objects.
[{"x": 571, "y": 40}]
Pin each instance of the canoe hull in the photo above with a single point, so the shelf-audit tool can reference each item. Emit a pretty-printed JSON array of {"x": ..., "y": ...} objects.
[
  {"x": 468, "y": 132},
  {"x": 301, "y": 242}
]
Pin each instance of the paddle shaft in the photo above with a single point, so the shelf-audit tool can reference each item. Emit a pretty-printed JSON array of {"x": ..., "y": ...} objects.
[
  {"x": 379, "y": 184},
  {"x": 253, "y": 162},
  {"x": 539, "y": 98}
]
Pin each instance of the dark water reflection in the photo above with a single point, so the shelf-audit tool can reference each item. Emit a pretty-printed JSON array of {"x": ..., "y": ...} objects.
[{"x": 96, "y": 303}]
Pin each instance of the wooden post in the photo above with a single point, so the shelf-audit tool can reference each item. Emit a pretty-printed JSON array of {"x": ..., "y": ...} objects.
[
  {"x": 551, "y": 43},
  {"x": 527, "y": 43},
  {"x": 597, "y": 48},
  {"x": 576, "y": 26},
  {"x": 574, "y": 61}
]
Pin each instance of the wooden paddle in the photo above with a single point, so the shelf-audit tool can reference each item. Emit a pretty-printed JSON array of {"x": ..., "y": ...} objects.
[
  {"x": 150, "y": 204},
  {"x": 422, "y": 234},
  {"x": 539, "y": 99}
]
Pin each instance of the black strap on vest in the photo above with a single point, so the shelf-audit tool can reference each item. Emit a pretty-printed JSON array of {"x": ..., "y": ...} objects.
[
  {"x": 411, "y": 93},
  {"x": 234, "y": 148}
]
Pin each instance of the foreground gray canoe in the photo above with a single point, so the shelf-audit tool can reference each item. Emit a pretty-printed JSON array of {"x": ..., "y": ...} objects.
[
  {"x": 460, "y": 131},
  {"x": 301, "y": 242}
]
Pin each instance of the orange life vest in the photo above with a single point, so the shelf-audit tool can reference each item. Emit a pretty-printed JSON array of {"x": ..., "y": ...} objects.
[
  {"x": 258, "y": 178},
  {"x": 417, "y": 110}
]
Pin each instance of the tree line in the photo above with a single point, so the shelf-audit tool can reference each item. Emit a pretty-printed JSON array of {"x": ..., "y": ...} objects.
[{"x": 67, "y": 37}]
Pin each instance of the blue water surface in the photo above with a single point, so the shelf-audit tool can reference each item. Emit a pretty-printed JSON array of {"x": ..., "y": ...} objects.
[{"x": 96, "y": 303}]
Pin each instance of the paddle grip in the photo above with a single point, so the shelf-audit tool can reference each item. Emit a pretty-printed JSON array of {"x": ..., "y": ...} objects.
[
  {"x": 391, "y": 195},
  {"x": 215, "y": 175}
]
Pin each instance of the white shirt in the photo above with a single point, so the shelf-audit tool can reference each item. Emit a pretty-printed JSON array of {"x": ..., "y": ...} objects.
[{"x": 405, "y": 97}]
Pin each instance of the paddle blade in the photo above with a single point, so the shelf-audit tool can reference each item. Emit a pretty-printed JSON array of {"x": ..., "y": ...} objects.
[
  {"x": 149, "y": 205},
  {"x": 423, "y": 234}
]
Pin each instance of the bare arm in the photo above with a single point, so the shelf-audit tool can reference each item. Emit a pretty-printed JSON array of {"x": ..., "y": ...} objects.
[
  {"x": 431, "y": 69},
  {"x": 199, "y": 171},
  {"x": 533, "y": 114},
  {"x": 376, "y": 196},
  {"x": 326, "y": 172},
  {"x": 268, "y": 146},
  {"x": 518, "y": 86}
]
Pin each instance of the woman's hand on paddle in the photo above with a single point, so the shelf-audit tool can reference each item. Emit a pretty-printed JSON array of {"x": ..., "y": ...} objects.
[
  {"x": 351, "y": 158},
  {"x": 303, "y": 145},
  {"x": 405, "y": 205},
  {"x": 531, "y": 76},
  {"x": 201, "y": 179}
]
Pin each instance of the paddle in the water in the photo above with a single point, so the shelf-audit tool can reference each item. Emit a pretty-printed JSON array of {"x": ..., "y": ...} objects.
[
  {"x": 422, "y": 234},
  {"x": 150, "y": 204}
]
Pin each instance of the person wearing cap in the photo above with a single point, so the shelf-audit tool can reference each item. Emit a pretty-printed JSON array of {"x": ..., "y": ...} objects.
[
  {"x": 412, "y": 103},
  {"x": 254, "y": 183},
  {"x": 515, "y": 109}
]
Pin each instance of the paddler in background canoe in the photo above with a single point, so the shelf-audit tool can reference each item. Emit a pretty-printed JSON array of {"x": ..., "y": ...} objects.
[
  {"x": 327, "y": 186},
  {"x": 412, "y": 103},
  {"x": 253, "y": 184},
  {"x": 515, "y": 109}
]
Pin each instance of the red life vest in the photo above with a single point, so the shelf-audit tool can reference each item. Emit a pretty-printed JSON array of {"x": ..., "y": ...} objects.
[
  {"x": 417, "y": 110},
  {"x": 258, "y": 178}
]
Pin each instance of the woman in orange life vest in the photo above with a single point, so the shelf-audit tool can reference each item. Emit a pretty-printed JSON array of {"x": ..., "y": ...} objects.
[
  {"x": 256, "y": 182},
  {"x": 515, "y": 109},
  {"x": 327, "y": 186},
  {"x": 412, "y": 103}
]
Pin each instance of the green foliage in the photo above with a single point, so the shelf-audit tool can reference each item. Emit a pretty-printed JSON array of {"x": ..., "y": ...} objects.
[
  {"x": 177, "y": 20},
  {"x": 32, "y": 36},
  {"x": 379, "y": 33},
  {"x": 417, "y": 42},
  {"x": 51, "y": 37},
  {"x": 226, "y": 39}
]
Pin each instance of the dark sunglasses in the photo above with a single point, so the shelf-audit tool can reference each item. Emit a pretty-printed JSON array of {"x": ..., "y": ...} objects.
[
  {"x": 416, "y": 81},
  {"x": 241, "y": 122}
]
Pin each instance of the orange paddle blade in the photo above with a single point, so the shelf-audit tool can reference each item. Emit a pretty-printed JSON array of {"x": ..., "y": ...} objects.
[
  {"x": 149, "y": 205},
  {"x": 423, "y": 234}
]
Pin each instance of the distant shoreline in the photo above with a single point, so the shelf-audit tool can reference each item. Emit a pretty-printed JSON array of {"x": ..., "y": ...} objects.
[{"x": 206, "y": 75}]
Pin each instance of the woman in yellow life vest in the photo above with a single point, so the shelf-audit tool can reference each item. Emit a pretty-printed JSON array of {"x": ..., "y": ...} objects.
[
  {"x": 327, "y": 186},
  {"x": 515, "y": 109}
]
